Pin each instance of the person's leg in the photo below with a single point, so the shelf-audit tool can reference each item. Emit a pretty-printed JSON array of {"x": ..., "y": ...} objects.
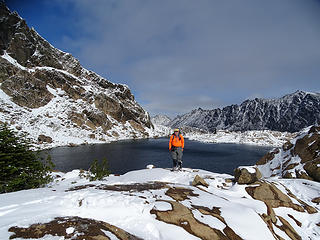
[
  {"x": 179, "y": 157},
  {"x": 174, "y": 157}
]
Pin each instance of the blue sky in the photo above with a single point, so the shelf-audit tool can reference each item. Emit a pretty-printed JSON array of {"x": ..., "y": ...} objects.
[{"x": 179, "y": 55}]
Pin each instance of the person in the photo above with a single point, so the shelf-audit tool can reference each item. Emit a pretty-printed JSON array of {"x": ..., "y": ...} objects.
[{"x": 176, "y": 146}]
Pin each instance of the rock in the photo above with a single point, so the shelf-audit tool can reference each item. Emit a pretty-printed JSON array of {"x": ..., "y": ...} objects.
[
  {"x": 92, "y": 136},
  {"x": 199, "y": 181},
  {"x": 287, "y": 145},
  {"x": 42, "y": 138},
  {"x": 182, "y": 216},
  {"x": 316, "y": 200},
  {"x": 313, "y": 169},
  {"x": 268, "y": 157},
  {"x": 243, "y": 176},
  {"x": 65, "y": 226},
  {"x": 298, "y": 160}
]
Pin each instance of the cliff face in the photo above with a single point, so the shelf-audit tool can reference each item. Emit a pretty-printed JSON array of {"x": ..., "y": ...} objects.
[
  {"x": 290, "y": 113},
  {"x": 40, "y": 84}
]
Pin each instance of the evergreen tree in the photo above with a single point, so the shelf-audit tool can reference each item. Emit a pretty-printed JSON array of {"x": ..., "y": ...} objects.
[
  {"x": 99, "y": 171},
  {"x": 20, "y": 167}
]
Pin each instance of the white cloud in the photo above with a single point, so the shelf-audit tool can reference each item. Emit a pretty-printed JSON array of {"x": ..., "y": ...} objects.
[{"x": 180, "y": 55}]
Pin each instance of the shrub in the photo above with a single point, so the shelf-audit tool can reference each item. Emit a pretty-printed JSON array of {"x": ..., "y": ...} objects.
[
  {"x": 99, "y": 171},
  {"x": 20, "y": 167}
]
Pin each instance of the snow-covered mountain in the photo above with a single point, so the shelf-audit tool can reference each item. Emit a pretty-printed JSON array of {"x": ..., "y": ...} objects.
[
  {"x": 298, "y": 158},
  {"x": 163, "y": 120},
  {"x": 290, "y": 113},
  {"x": 48, "y": 94}
]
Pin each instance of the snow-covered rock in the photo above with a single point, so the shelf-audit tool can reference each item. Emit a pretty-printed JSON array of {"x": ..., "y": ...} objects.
[
  {"x": 298, "y": 158},
  {"x": 290, "y": 113},
  {"x": 160, "y": 204},
  {"x": 45, "y": 91},
  {"x": 160, "y": 120}
]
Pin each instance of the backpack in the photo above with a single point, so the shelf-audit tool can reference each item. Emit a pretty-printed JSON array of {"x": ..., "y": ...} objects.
[{"x": 178, "y": 135}]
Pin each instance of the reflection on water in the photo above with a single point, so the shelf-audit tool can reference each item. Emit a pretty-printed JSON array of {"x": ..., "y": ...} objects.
[{"x": 124, "y": 156}]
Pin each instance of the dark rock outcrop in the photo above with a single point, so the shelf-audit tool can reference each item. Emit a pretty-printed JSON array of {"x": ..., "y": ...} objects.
[{"x": 243, "y": 176}]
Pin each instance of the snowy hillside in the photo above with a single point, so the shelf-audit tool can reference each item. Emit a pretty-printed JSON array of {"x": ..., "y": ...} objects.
[
  {"x": 262, "y": 138},
  {"x": 290, "y": 113},
  {"x": 160, "y": 120},
  {"x": 160, "y": 204},
  {"x": 298, "y": 158},
  {"x": 48, "y": 94}
]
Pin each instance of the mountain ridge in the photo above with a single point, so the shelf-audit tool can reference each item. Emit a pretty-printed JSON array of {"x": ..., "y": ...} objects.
[{"x": 290, "y": 113}]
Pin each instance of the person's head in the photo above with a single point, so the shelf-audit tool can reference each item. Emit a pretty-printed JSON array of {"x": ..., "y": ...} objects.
[{"x": 176, "y": 131}]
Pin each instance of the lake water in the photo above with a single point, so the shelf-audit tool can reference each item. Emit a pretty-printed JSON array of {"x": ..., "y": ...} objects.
[{"x": 124, "y": 156}]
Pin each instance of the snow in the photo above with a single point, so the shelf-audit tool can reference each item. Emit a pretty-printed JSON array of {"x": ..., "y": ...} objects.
[
  {"x": 131, "y": 210},
  {"x": 250, "y": 169},
  {"x": 12, "y": 60},
  {"x": 261, "y": 138},
  {"x": 70, "y": 230}
]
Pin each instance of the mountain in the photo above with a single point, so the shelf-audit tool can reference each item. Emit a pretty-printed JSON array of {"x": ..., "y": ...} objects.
[
  {"x": 290, "y": 113},
  {"x": 160, "y": 120},
  {"x": 48, "y": 94},
  {"x": 298, "y": 158}
]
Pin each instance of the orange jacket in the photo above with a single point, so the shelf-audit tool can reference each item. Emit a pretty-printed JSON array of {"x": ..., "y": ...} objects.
[{"x": 176, "y": 141}]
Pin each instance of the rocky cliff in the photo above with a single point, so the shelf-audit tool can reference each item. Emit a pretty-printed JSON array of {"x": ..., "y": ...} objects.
[
  {"x": 290, "y": 113},
  {"x": 298, "y": 158},
  {"x": 46, "y": 91}
]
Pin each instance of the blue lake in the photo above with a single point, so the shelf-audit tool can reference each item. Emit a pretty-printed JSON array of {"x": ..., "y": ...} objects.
[{"x": 128, "y": 155}]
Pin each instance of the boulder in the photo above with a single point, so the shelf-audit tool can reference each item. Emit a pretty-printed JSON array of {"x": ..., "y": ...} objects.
[
  {"x": 42, "y": 138},
  {"x": 246, "y": 175},
  {"x": 199, "y": 181}
]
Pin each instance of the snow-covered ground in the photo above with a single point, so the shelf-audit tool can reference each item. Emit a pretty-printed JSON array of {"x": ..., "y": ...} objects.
[
  {"x": 262, "y": 138},
  {"x": 167, "y": 195}
]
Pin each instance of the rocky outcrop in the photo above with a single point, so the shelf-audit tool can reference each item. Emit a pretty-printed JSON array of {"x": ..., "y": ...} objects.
[
  {"x": 199, "y": 181},
  {"x": 275, "y": 198},
  {"x": 290, "y": 113},
  {"x": 42, "y": 138},
  {"x": 246, "y": 175},
  {"x": 299, "y": 158},
  {"x": 34, "y": 74},
  {"x": 71, "y": 228}
]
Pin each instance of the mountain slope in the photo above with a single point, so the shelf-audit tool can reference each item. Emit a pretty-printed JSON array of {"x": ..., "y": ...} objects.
[
  {"x": 46, "y": 91},
  {"x": 290, "y": 113}
]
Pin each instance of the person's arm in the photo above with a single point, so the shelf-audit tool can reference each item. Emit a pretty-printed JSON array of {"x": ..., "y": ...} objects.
[
  {"x": 182, "y": 141},
  {"x": 170, "y": 143}
]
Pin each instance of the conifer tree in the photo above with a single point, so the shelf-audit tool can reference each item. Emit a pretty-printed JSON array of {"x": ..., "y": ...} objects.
[{"x": 20, "y": 167}]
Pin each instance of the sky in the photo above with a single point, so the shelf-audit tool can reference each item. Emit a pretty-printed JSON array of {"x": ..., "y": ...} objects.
[{"x": 178, "y": 55}]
